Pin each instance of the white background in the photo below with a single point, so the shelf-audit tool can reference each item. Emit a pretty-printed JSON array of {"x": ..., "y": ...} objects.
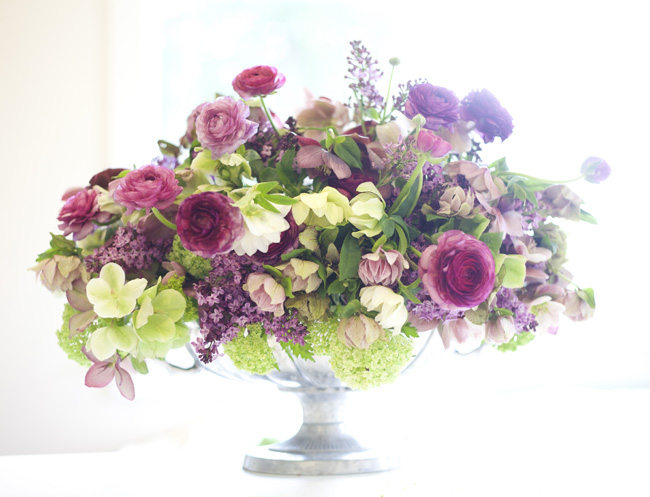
[{"x": 93, "y": 84}]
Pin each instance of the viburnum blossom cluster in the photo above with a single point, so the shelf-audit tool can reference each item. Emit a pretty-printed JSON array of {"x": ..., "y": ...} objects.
[{"x": 337, "y": 233}]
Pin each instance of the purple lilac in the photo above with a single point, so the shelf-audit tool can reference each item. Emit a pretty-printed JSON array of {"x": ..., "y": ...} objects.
[
  {"x": 130, "y": 249},
  {"x": 364, "y": 73},
  {"x": 428, "y": 310},
  {"x": 524, "y": 320},
  {"x": 403, "y": 162},
  {"x": 225, "y": 308}
]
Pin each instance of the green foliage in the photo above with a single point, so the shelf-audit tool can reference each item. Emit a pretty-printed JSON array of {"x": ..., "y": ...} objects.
[
  {"x": 349, "y": 151},
  {"x": 59, "y": 245},
  {"x": 194, "y": 264},
  {"x": 305, "y": 352},
  {"x": 517, "y": 341},
  {"x": 72, "y": 346},
  {"x": 350, "y": 257},
  {"x": 251, "y": 352},
  {"x": 191, "y": 305}
]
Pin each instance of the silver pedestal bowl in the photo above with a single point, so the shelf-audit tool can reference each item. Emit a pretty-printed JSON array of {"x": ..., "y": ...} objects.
[{"x": 322, "y": 445}]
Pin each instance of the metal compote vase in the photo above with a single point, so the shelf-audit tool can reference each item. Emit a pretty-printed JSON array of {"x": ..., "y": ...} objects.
[{"x": 322, "y": 445}]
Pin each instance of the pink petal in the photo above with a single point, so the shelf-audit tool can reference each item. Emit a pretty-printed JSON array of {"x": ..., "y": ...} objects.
[
  {"x": 310, "y": 157},
  {"x": 338, "y": 165},
  {"x": 100, "y": 374},
  {"x": 77, "y": 299},
  {"x": 124, "y": 383},
  {"x": 303, "y": 141},
  {"x": 80, "y": 322}
]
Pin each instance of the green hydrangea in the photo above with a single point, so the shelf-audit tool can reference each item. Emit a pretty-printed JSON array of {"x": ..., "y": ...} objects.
[
  {"x": 72, "y": 346},
  {"x": 194, "y": 264},
  {"x": 192, "y": 308},
  {"x": 361, "y": 369},
  {"x": 252, "y": 352}
]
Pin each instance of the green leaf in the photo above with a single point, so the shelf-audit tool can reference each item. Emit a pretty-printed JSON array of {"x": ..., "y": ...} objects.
[
  {"x": 373, "y": 113},
  {"x": 336, "y": 286},
  {"x": 408, "y": 293},
  {"x": 281, "y": 199},
  {"x": 303, "y": 351},
  {"x": 349, "y": 151},
  {"x": 350, "y": 257},
  {"x": 382, "y": 239},
  {"x": 59, "y": 245},
  {"x": 409, "y": 331},
  {"x": 403, "y": 241},
  {"x": 474, "y": 226},
  {"x": 587, "y": 294},
  {"x": 585, "y": 216},
  {"x": 139, "y": 366},
  {"x": 265, "y": 187},
  {"x": 262, "y": 202},
  {"x": 328, "y": 236},
  {"x": 499, "y": 311},
  {"x": 286, "y": 284},
  {"x": 515, "y": 271},
  {"x": 387, "y": 226},
  {"x": 273, "y": 271},
  {"x": 517, "y": 341},
  {"x": 351, "y": 308},
  {"x": 493, "y": 241},
  {"x": 478, "y": 316},
  {"x": 169, "y": 149},
  {"x": 410, "y": 200},
  {"x": 285, "y": 169},
  {"x": 499, "y": 165},
  {"x": 294, "y": 253}
]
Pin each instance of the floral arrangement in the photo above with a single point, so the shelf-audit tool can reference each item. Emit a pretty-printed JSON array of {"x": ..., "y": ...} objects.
[{"x": 347, "y": 231}]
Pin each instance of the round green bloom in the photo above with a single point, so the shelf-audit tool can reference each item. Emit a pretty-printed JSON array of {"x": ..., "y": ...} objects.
[
  {"x": 194, "y": 264},
  {"x": 72, "y": 346},
  {"x": 252, "y": 352}
]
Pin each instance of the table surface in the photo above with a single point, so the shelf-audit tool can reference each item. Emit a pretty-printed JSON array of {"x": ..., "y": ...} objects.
[{"x": 581, "y": 441}]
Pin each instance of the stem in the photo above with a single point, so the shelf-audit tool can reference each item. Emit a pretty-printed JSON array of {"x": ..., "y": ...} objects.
[
  {"x": 568, "y": 280},
  {"x": 390, "y": 80},
  {"x": 162, "y": 219},
  {"x": 268, "y": 115},
  {"x": 407, "y": 187},
  {"x": 508, "y": 173}
]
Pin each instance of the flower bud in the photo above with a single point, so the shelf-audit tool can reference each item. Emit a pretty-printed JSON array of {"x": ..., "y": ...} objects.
[
  {"x": 595, "y": 169},
  {"x": 394, "y": 61},
  {"x": 456, "y": 202},
  {"x": 266, "y": 293},
  {"x": 360, "y": 332},
  {"x": 303, "y": 275},
  {"x": 429, "y": 142},
  {"x": 383, "y": 267},
  {"x": 500, "y": 330}
]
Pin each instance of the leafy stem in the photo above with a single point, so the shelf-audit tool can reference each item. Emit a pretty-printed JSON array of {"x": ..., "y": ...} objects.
[
  {"x": 162, "y": 219},
  {"x": 268, "y": 115}
]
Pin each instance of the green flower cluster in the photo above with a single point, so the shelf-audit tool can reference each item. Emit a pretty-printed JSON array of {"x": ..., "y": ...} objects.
[
  {"x": 194, "y": 264},
  {"x": 251, "y": 352},
  {"x": 72, "y": 346},
  {"x": 191, "y": 308}
]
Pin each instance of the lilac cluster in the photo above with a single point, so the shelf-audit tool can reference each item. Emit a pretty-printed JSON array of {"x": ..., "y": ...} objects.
[
  {"x": 524, "y": 320},
  {"x": 225, "y": 308},
  {"x": 364, "y": 75},
  {"x": 131, "y": 249},
  {"x": 403, "y": 162}
]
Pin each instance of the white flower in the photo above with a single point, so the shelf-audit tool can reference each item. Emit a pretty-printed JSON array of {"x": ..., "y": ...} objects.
[
  {"x": 547, "y": 312},
  {"x": 261, "y": 228},
  {"x": 392, "y": 311},
  {"x": 367, "y": 210},
  {"x": 462, "y": 335}
]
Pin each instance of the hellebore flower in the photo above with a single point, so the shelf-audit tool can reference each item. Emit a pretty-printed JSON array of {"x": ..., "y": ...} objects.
[
  {"x": 303, "y": 275},
  {"x": 392, "y": 311},
  {"x": 59, "y": 272},
  {"x": 327, "y": 208},
  {"x": 500, "y": 330},
  {"x": 258, "y": 80},
  {"x": 459, "y": 272},
  {"x": 321, "y": 113},
  {"x": 222, "y": 127},
  {"x": 110, "y": 296},
  {"x": 266, "y": 293},
  {"x": 209, "y": 224},
  {"x": 383, "y": 267},
  {"x": 462, "y": 335},
  {"x": 360, "y": 332},
  {"x": 101, "y": 373}
]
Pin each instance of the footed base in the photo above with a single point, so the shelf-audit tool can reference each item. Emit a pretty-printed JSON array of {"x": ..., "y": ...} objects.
[{"x": 267, "y": 460}]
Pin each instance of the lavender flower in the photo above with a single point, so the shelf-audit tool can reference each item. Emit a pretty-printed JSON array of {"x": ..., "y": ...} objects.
[
  {"x": 524, "y": 319},
  {"x": 364, "y": 74}
]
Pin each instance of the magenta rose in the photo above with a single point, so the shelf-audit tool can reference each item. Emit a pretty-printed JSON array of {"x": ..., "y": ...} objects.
[
  {"x": 79, "y": 212},
  {"x": 147, "y": 187},
  {"x": 209, "y": 224},
  {"x": 490, "y": 118},
  {"x": 458, "y": 273},
  {"x": 258, "y": 80},
  {"x": 438, "y": 105},
  {"x": 222, "y": 127}
]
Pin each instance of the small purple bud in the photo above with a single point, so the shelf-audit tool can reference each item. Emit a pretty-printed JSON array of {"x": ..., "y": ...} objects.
[{"x": 595, "y": 170}]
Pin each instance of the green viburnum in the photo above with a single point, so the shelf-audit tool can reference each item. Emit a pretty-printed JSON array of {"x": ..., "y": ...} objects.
[
  {"x": 251, "y": 351},
  {"x": 72, "y": 345},
  {"x": 191, "y": 305},
  {"x": 194, "y": 264},
  {"x": 110, "y": 295}
]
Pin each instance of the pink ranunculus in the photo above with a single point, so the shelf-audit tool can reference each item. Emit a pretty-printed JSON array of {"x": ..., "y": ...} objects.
[
  {"x": 190, "y": 133},
  {"x": 429, "y": 142},
  {"x": 459, "y": 272},
  {"x": 79, "y": 212},
  {"x": 147, "y": 187},
  {"x": 266, "y": 293},
  {"x": 209, "y": 224},
  {"x": 222, "y": 127},
  {"x": 258, "y": 80},
  {"x": 383, "y": 267},
  {"x": 439, "y": 106}
]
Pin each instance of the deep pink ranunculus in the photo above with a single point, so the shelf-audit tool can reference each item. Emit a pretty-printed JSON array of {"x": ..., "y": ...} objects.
[
  {"x": 209, "y": 224},
  {"x": 222, "y": 127},
  {"x": 258, "y": 80},
  {"x": 79, "y": 212},
  {"x": 458, "y": 273},
  {"x": 438, "y": 105},
  {"x": 147, "y": 187},
  {"x": 490, "y": 118}
]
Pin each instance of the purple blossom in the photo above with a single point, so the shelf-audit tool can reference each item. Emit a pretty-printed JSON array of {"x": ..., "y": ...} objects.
[
  {"x": 130, "y": 249},
  {"x": 524, "y": 320},
  {"x": 490, "y": 117},
  {"x": 438, "y": 105},
  {"x": 364, "y": 74}
]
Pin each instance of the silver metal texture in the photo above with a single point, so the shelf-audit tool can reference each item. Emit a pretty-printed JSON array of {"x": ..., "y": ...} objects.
[{"x": 322, "y": 445}]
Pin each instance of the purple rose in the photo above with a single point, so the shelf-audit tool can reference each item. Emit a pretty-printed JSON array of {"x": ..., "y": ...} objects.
[
  {"x": 147, "y": 187},
  {"x": 595, "y": 169},
  {"x": 258, "y": 80},
  {"x": 209, "y": 224},
  {"x": 78, "y": 214},
  {"x": 486, "y": 112},
  {"x": 190, "y": 134},
  {"x": 222, "y": 126},
  {"x": 439, "y": 106},
  {"x": 458, "y": 273}
]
